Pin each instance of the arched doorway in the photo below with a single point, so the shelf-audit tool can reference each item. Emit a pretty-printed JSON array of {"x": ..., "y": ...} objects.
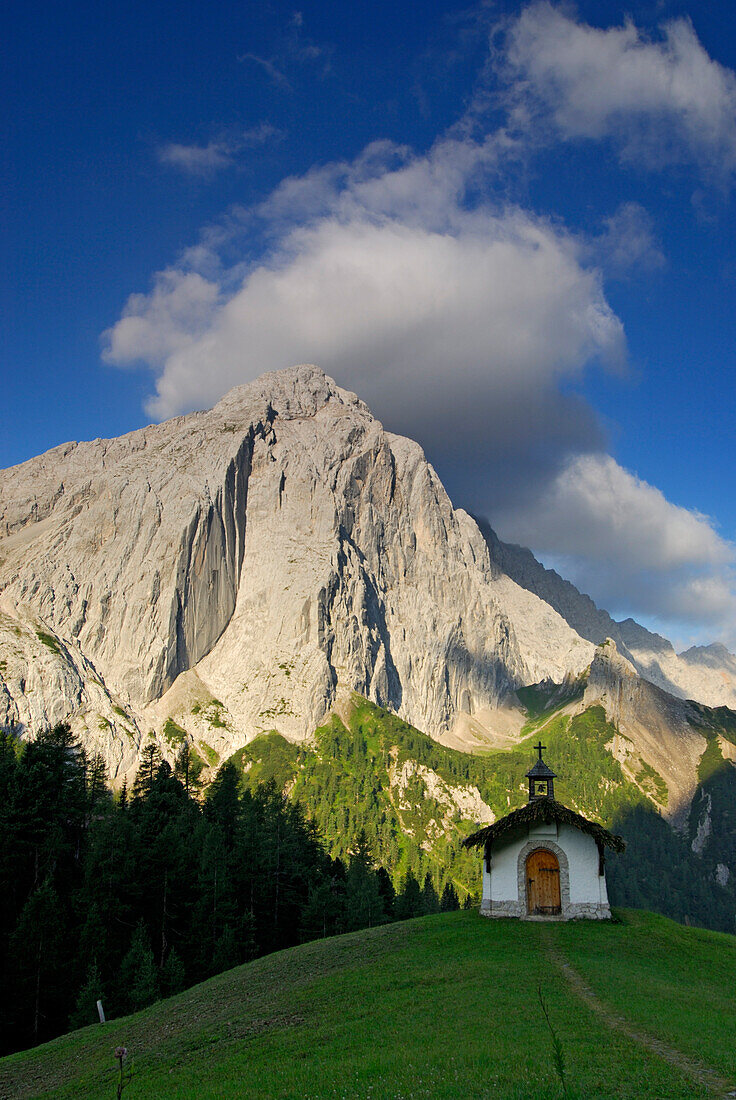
[{"x": 542, "y": 883}]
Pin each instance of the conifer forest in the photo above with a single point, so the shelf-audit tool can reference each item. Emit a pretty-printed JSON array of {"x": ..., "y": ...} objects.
[{"x": 130, "y": 898}]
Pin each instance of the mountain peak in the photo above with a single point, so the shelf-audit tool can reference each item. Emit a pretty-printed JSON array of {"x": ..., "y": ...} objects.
[
  {"x": 299, "y": 391},
  {"x": 232, "y": 571}
]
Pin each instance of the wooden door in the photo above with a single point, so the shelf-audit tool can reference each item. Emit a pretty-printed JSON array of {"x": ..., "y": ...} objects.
[{"x": 543, "y": 882}]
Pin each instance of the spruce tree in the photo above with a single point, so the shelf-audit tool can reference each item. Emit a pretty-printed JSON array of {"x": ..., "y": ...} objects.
[
  {"x": 85, "y": 1008},
  {"x": 173, "y": 974},
  {"x": 146, "y": 776},
  {"x": 449, "y": 900},
  {"x": 430, "y": 901},
  {"x": 226, "y": 954},
  {"x": 409, "y": 900},
  {"x": 188, "y": 767},
  {"x": 138, "y": 984},
  {"x": 39, "y": 961}
]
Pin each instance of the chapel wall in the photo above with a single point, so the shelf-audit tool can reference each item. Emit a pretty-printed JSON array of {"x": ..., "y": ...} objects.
[
  {"x": 587, "y": 887},
  {"x": 583, "y": 890}
]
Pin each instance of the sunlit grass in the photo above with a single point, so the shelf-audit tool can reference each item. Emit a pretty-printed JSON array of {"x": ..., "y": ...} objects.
[{"x": 443, "y": 1007}]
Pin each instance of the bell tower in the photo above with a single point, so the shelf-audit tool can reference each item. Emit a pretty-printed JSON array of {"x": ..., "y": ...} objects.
[{"x": 541, "y": 778}]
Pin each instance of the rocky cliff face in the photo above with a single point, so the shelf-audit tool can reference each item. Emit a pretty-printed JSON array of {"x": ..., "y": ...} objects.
[
  {"x": 257, "y": 557},
  {"x": 234, "y": 571},
  {"x": 654, "y": 731},
  {"x": 705, "y": 673}
]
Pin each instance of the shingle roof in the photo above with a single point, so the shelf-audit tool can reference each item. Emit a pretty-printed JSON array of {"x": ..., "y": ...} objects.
[
  {"x": 544, "y": 810},
  {"x": 539, "y": 770}
]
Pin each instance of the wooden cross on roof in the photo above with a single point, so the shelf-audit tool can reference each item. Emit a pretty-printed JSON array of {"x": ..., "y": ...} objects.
[{"x": 539, "y": 748}]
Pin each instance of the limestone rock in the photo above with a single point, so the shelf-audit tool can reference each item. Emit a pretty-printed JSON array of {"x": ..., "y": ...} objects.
[
  {"x": 279, "y": 546},
  {"x": 653, "y": 728},
  {"x": 705, "y": 673},
  {"x": 231, "y": 571}
]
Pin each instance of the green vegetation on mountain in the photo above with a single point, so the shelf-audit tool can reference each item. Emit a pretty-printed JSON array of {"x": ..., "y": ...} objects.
[
  {"x": 48, "y": 640},
  {"x": 370, "y": 771},
  {"x": 445, "y": 1006},
  {"x": 174, "y": 733}
]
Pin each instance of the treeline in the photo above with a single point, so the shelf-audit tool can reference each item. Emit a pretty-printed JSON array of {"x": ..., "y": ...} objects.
[
  {"x": 660, "y": 871},
  {"x": 132, "y": 898}
]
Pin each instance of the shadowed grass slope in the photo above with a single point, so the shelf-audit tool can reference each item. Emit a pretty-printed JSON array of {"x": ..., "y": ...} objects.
[{"x": 444, "y": 1006}]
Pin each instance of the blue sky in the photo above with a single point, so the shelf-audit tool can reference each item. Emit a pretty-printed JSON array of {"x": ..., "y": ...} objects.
[{"x": 509, "y": 227}]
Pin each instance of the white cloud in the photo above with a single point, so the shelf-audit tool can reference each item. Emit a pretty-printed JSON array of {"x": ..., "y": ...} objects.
[
  {"x": 662, "y": 101},
  {"x": 205, "y": 160},
  {"x": 156, "y": 326},
  {"x": 197, "y": 160},
  {"x": 627, "y": 243},
  {"x": 456, "y": 325},
  {"x": 620, "y": 538}
]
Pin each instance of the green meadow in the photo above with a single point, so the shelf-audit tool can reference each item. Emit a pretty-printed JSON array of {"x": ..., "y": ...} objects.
[{"x": 445, "y": 1006}]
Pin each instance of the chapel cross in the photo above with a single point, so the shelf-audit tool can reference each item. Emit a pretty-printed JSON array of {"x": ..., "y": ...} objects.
[{"x": 539, "y": 748}]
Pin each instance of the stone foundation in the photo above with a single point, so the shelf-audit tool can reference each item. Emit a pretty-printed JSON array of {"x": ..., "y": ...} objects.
[
  {"x": 572, "y": 911},
  {"x": 502, "y": 909},
  {"x": 583, "y": 910}
]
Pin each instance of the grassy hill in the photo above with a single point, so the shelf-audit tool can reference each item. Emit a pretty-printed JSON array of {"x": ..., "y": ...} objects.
[{"x": 445, "y": 1006}]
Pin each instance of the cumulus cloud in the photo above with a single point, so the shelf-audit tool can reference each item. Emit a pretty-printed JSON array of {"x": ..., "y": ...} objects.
[
  {"x": 661, "y": 101},
  {"x": 619, "y": 537},
  {"x": 156, "y": 326},
  {"x": 456, "y": 325}
]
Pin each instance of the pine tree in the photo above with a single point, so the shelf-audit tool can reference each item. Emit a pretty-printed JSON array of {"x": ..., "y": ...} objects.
[
  {"x": 97, "y": 791},
  {"x": 146, "y": 776},
  {"x": 363, "y": 900},
  {"x": 173, "y": 974},
  {"x": 449, "y": 900},
  {"x": 430, "y": 901},
  {"x": 85, "y": 1009},
  {"x": 223, "y": 801},
  {"x": 39, "y": 966},
  {"x": 188, "y": 767},
  {"x": 409, "y": 900},
  {"x": 226, "y": 954},
  {"x": 387, "y": 892},
  {"x": 138, "y": 978}
]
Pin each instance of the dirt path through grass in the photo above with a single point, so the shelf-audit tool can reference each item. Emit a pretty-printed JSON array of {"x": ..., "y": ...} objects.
[{"x": 698, "y": 1072}]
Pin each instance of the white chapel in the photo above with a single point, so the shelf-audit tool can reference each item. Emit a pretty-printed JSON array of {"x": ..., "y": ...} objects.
[{"x": 544, "y": 861}]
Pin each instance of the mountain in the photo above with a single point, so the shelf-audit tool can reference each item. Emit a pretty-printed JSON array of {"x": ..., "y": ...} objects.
[
  {"x": 249, "y": 568},
  {"x": 705, "y": 673},
  {"x": 403, "y": 1010},
  {"x": 239, "y": 567}
]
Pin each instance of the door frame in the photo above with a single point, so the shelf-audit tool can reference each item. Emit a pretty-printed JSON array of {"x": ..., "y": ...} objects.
[
  {"x": 546, "y": 911},
  {"x": 526, "y": 850}
]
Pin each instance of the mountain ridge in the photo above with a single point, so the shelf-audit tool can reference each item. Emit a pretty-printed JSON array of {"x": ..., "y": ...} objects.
[
  {"x": 653, "y": 655},
  {"x": 237, "y": 570}
]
